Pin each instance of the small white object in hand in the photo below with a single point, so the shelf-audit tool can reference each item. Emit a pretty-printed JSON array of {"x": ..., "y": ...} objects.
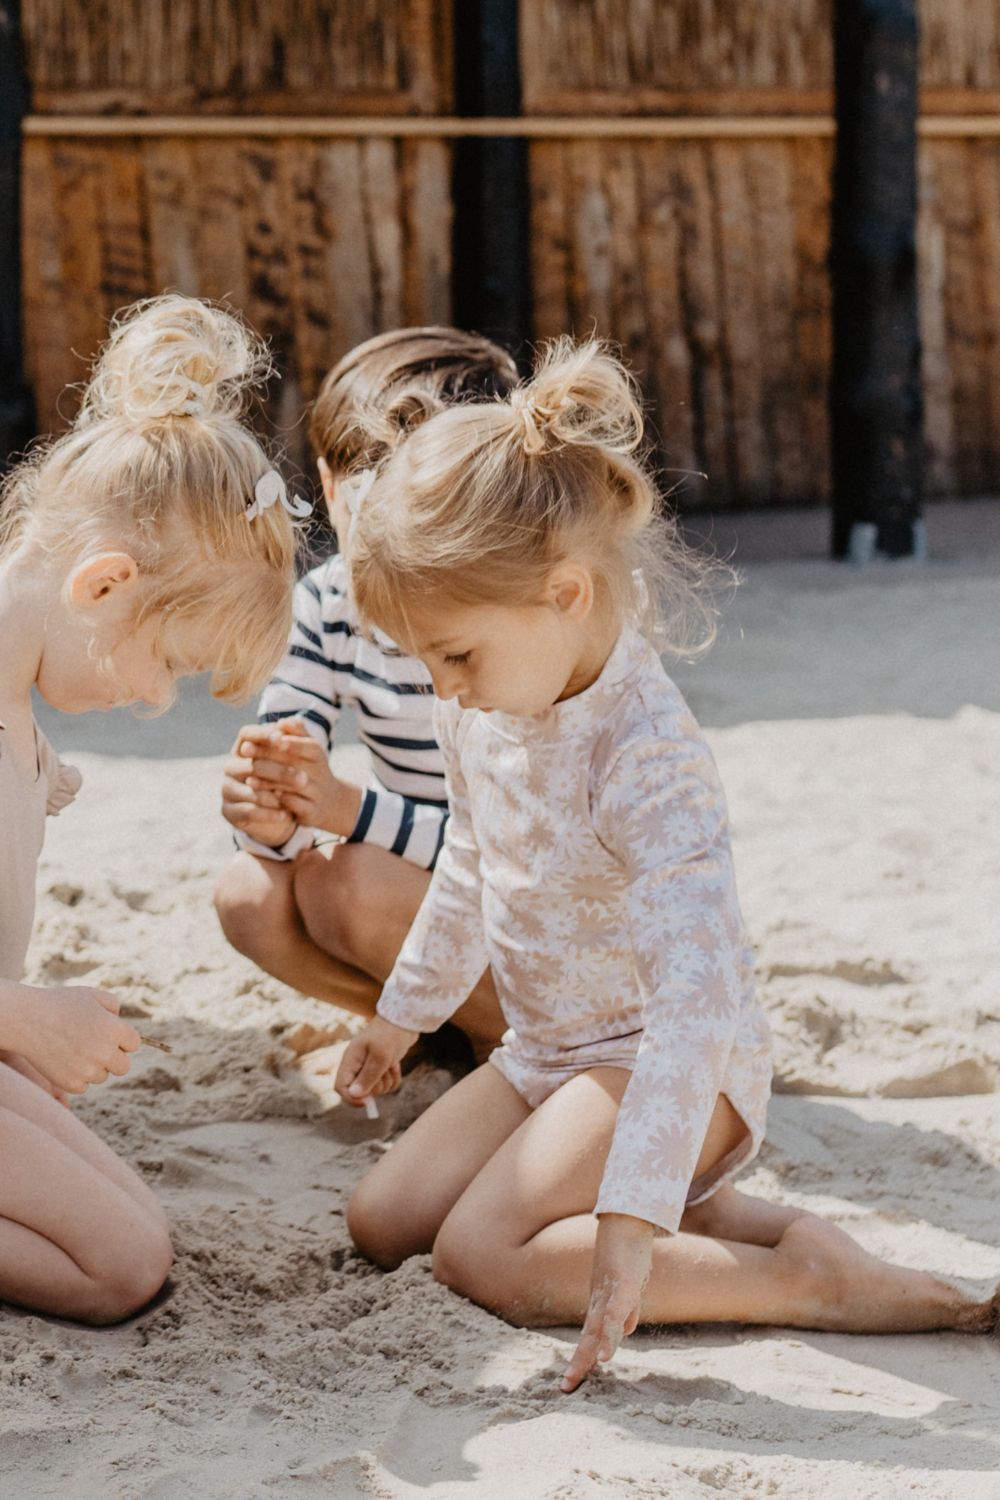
[{"x": 371, "y": 1109}]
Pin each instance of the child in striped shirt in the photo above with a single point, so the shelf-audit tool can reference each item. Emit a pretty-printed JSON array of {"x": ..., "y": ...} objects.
[{"x": 323, "y": 897}]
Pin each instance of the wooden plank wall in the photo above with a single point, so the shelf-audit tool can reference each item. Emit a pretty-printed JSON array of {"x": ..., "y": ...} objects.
[
  {"x": 319, "y": 242},
  {"x": 706, "y": 259}
]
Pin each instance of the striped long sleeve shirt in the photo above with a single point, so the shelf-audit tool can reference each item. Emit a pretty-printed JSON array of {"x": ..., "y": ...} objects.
[{"x": 330, "y": 666}]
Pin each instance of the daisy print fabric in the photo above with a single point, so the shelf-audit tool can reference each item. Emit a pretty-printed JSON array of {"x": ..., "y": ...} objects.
[{"x": 587, "y": 860}]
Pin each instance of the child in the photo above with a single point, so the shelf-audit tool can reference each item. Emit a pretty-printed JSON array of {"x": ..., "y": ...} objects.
[
  {"x": 584, "y": 1173},
  {"x": 327, "y": 884},
  {"x": 143, "y": 545}
]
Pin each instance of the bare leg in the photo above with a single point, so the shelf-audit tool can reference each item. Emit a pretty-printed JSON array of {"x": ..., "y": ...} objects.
[
  {"x": 332, "y": 923},
  {"x": 520, "y": 1241},
  {"x": 399, "y": 1206},
  {"x": 255, "y": 902},
  {"x": 80, "y": 1235}
]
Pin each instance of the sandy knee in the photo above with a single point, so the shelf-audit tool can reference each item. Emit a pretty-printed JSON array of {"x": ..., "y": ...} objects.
[
  {"x": 129, "y": 1281},
  {"x": 471, "y": 1261},
  {"x": 816, "y": 1257},
  {"x": 373, "y": 1222}
]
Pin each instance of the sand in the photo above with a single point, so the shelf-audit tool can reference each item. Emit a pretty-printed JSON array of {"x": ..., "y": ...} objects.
[{"x": 856, "y": 719}]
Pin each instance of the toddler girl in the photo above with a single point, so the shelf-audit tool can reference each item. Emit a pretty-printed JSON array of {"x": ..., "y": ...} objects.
[
  {"x": 144, "y": 544},
  {"x": 583, "y": 1175},
  {"x": 330, "y": 874}
]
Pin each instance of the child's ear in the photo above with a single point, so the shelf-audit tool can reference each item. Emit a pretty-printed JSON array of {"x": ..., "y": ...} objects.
[
  {"x": 570, "y": 588},
  {"x": 99, "y": 577},
  {"x": 329, "y": 484}
]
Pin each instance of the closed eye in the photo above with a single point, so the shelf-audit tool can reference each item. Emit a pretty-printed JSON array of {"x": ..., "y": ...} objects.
[{"x": 457, "y": 661}]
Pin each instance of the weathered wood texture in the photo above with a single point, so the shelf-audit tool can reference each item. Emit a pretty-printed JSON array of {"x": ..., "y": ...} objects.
[
  {"x": 707, "y": 261},
  {"x": 715, "y": 56},
  {"x": 239, "y": 56},
  {"x": 319, "y": 244}
]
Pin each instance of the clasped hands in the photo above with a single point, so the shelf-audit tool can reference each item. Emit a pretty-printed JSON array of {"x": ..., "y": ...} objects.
[
  {"x": 623, "y": 1251},
  {"x": 277, "y": 777}
]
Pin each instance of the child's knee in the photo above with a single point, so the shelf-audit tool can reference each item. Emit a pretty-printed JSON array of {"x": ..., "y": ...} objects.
[
  {"x": 374, "y": 1225},
  {"x": 331, "y": 895},
  {"x": 130, "y": 1280},
  {"x": 816, "y": 1269},
  {"x": 242, "y": 898},
  {"x": 470, "y": 1262}
]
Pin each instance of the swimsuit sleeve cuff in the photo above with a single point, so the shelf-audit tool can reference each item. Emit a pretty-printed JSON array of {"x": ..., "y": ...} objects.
[
  {"x": 665, "y": 1215},
  {"x": 302, "y": 838}
]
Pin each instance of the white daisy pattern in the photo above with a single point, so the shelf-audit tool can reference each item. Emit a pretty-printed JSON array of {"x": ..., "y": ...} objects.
[{"x": 587, "y": 860}]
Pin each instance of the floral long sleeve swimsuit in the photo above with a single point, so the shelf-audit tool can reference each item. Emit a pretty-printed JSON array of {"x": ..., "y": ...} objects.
[{"x": 587, "y": 861}]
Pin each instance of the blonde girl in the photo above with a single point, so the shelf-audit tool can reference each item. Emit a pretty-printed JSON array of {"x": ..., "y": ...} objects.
[
  {"x": 330, "y": 873},
  {"x": 584, "y": 1173},
  {"x": 146, "y": 543}
]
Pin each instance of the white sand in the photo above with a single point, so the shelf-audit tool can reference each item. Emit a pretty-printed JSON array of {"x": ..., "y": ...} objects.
[{"x": 857, "y": 724}]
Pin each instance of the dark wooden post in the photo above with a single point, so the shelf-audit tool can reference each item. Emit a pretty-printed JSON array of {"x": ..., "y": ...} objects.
[
  {"x": 16, "y": 405},
  {"x": 876, "y": 406},
  {"x": 491, "y": 288}
]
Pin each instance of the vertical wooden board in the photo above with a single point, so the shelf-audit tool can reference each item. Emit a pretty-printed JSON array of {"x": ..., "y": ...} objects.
[
  {"x": 768, "y": 166},
  {"x": 346, "y": 263},
  {"x": 744, "y": 354},
  {"x": 78, "y": 168},
  {"x": 549, "y": 239},
  {"x": 812, "y": 165},
  {"x": 173, "y": 215},
  {"x": 629, "y": 313},
  {"x": 962, "y": 311},
  {"x": 935, "y": 367},
  {"x": 309, "y": 234},
  {"x": 44, "y": 293},
  {"x": 701, "y": 293},
  {"x": 426, "y": 170},
  {"x": 590, "y": 238},
  {"x": 985, "y": 167},
  {"x": 125, "y": 276},
  {"x": 268, "y": 303},
  {"x": 384, "y": 228},
  {"x": 668, "y": 354},
  {"x": 221, "y": 250}
]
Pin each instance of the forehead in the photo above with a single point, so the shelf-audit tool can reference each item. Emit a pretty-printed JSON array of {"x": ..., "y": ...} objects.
[{"x": 455, "y": 627}]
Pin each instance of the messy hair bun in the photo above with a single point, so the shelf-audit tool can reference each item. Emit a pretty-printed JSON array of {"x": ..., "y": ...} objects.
[
  {"x": 482, "y": 500},
  {"x": 160, "y": 463},
  {"x": 175, "y": 356},
  {"x": 578, "y": 394}
]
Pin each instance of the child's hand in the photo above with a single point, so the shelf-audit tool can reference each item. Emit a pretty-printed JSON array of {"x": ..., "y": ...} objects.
[
  {"x": 254, "y": 810},
  {"x": 294, "y": 766},
  {"x": 370, "y": 1064},
  {"x": 623, "y": 1255},
  {"x": 73, "y": 1035}
]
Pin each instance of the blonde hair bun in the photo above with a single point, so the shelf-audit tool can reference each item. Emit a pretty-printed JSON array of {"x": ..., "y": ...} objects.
[
  {"x": 580, "y": 394},
  {"x": 175, "y": 356}
]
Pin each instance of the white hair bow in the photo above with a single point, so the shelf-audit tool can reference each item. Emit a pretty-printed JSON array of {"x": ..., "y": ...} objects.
[
  {"x": 270, "y": 488},
  {"x": 355, "y": 491}
]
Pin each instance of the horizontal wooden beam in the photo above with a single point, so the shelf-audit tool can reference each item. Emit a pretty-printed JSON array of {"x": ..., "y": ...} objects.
[{"x": 541, "y": 127}]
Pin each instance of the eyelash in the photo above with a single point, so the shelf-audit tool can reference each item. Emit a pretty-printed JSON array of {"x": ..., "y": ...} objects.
[{"x": 457, "y": 661}]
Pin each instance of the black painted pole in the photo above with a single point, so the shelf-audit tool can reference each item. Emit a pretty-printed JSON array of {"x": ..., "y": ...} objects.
[
  {"x": 876, "y": 403},
  {"x": 16, "y": 405},
  {"x": 491, "y": 286}
]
